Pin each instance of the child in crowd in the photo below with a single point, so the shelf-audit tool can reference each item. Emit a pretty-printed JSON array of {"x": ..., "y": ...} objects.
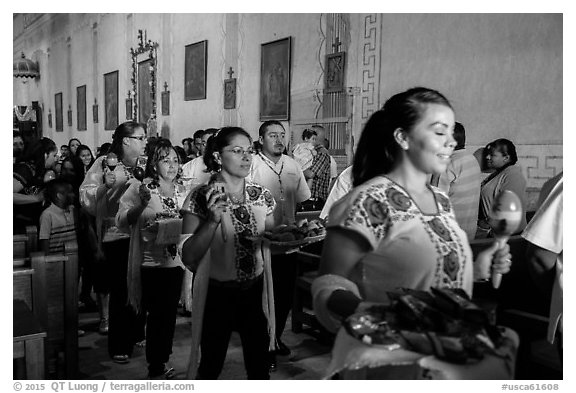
[
  {"x": 304, "y": 152},
  {"x": 58, "y": 220}
]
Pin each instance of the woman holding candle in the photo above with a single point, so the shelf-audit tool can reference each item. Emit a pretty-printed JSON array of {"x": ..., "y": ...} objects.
[
  {"x": 226, "y": 261},
  {"x": 104, "y": 184}
]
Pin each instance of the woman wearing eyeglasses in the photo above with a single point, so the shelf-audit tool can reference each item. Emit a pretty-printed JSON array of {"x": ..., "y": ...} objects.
[
  {"x": 104, "y": 184},
  {"x": 232, "y": 278}
]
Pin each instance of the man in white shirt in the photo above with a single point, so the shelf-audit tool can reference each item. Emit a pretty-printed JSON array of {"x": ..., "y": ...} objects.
[
  {"x": 283, "y": 177},
  {"x": 341, "y": 186},
  {"x": 194, "y": 171},
  {"x": 545, "y": 253}
]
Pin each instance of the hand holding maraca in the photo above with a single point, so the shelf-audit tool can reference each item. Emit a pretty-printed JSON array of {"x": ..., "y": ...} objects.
[
  {"x": 504, "y": 220},
  {"x": 144, "y": 194},
  {"x": 109, "y": 176}
]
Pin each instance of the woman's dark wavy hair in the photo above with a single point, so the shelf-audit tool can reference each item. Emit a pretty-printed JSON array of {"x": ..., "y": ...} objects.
[
  {"x": 505, "y": 146},
  {"x": 35, "y": 152},
  {"x": 79, "y": 165},
  {"x": 123, "y": 130},
  {"x": 81, "y": 148},
  {"x": 377, "y": 150},
  {"x": 161, "y": 150},
  {"x": 219, "y": 141},
  {"x": 74, "y": 139}
]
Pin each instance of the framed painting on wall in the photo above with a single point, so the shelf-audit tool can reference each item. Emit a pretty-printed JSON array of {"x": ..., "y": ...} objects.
[
  {"x": 81, "y": 107},
  {"x": 59, "y": 115},
  {"x": 111, "y": 100},
  {"x": 230, "y": 93},
  {"x": 195, "y": 62},
  {"x": 335, "y": 64},
  {"x": 275, "y": 80}
]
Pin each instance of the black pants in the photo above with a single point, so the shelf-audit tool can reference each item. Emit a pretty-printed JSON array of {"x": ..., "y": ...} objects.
[
  {"x": 160, "y": 295},
  {"x": 229, "y": 309},
  {"x": 284, "y": 279},
  {"x": 126, "y": 328}
]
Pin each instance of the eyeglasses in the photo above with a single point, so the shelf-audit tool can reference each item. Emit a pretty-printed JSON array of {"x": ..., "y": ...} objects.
[
  {"x": 240, "y": 151},
  {"x": 139, "y": 137}
]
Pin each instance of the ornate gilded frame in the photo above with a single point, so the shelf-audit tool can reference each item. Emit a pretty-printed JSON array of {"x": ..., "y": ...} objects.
[{"x": 146, "y": 51}]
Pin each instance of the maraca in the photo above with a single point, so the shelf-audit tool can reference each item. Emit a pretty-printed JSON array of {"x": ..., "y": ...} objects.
[
  {"x": 111, "y": 161},
  {"x": 504, "y": 219},
  {"x": 138, "y": 173},
  {"x": 139, "y": 169},
  {"x": 49, "y": 176}
]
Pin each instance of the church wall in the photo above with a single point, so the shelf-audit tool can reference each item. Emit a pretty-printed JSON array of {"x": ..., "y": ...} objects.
[{"x": 502, "y": 72}]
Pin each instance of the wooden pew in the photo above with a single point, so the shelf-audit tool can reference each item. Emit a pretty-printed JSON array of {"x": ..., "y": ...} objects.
[
  {"x": 24, "y": 244},
  {"x": 61, "y": 296},
  {"x": 28, "y": 342},
  {"x": 30, "y": 319}
]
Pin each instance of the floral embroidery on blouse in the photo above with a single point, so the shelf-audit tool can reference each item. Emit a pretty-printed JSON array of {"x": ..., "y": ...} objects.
[
  {"x": 383, "y": 204},
  {"x": 443, "y": 201},
  {"x": 398, "y": 200},
  {"x": 243, "y": 221}
]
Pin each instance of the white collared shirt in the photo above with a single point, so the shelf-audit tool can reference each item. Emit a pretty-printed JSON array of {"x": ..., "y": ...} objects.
[{"x": 286, "y": 182}]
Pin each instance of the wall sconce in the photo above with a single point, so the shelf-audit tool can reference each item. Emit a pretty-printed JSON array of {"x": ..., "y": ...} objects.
[
  {"x": 69, "y": 116},
  {"x": 95, "y": 111},
  {"x": 165, "y": 98},
  {"x": 129, "y": 106},
  {"x": 49, "y": 118}
]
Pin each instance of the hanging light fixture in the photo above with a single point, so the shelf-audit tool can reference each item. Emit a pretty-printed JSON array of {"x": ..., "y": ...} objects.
[{"x": 26, "y": 68}]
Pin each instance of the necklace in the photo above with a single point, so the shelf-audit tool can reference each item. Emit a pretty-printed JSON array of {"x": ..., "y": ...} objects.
[
  {"x": 279, "y": 174},
  {"x": 169, "y": 203},
  {"x": 237, "y": 197},
  {"x": 281, "y": 199}
]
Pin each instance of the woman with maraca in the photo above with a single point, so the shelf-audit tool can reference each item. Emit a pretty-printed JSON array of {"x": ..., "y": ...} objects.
[
  {"x": 232, "y": 287},
  {"x": 150, "y": 211},
  {"x": 393, "y": 229},
  {"x": 100, "y": 193}
]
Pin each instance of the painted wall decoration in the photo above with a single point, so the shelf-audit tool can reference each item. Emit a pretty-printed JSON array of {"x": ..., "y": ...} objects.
[
  {"x": 81, "y": 108},
  {"x": 59, "y": 115},
  {"x": 111, "y": 100},
  {"x": 195, "y": 62},
  {"x": 275, "y": 80},
  {"x": 335, "y": 64}
]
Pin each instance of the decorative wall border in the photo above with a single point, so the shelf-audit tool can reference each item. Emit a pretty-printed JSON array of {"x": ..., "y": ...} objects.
[{"x": 370, "y": 66}]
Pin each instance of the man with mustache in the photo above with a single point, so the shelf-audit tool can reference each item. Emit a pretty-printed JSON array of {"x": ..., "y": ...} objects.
[{"x": 282, "y": 175}]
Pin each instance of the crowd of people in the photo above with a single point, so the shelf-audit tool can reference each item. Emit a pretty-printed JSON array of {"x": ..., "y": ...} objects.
[{"x": 145, "y": 211}]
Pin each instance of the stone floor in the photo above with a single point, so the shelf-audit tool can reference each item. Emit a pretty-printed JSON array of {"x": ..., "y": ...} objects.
[{"x": 308, "y": 360}]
